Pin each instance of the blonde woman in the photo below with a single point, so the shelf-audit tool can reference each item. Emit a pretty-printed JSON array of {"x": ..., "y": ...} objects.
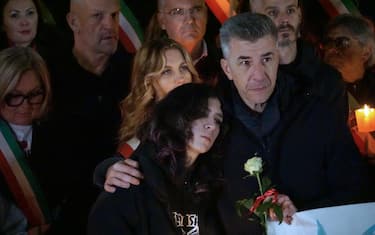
[
  {"x": 159, "y": 66},
  {"x": 24, "y": 100}
]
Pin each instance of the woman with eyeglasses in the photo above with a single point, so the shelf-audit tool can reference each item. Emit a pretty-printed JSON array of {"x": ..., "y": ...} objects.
[
  {"x": 182, "y": 181},
  {"x": 25, "y": 96}
]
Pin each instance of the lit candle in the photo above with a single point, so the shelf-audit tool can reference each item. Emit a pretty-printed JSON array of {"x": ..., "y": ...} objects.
[{"x": 365, "y": 119}]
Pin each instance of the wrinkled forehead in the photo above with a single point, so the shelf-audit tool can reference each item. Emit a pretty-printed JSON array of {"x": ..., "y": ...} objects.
[
  {"x": 97, "y": 5},
  {"x": 179, "y": 3},
  {"x": 261, "y": 5},
  {"x": 340, "y": 31}
]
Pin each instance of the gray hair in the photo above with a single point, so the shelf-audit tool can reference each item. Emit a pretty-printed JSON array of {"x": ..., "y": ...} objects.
[
  {"x": 360, "y": 28},
  {"x": 246, "y": 26}
]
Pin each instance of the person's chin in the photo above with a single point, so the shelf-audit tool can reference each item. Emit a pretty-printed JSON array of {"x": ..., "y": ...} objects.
[{"x": 109, "y": 48}]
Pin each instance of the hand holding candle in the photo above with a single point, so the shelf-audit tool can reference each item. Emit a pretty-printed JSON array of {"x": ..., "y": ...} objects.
[{"x": 365, "y": 119}]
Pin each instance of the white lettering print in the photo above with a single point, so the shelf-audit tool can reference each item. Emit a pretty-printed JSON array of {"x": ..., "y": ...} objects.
[{"x": 187, "y": 223}]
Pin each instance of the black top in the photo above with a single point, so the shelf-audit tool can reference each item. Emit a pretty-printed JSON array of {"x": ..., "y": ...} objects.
[
  {"x": 307, "y": 154},
  {"x": 85, "y": 118},
  {"x": 159, "y": 205},
  {"x": 364, "y": 90},
  {"x": 317, "y": 77}
]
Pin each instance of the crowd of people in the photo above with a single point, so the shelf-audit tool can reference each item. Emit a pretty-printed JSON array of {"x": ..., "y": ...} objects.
[{"x": 95, "y": 140}]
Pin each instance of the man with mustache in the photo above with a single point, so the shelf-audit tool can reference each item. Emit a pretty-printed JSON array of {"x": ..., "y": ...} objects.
[
  {"x": 88, "y": 87},
  {"x": 298, "y": 57}
]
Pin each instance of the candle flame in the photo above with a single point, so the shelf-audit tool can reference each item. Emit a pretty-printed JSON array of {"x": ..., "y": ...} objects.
[{"x": 366, "y": 110}]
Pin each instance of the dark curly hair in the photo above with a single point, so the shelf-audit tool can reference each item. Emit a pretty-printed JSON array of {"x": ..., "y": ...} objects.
[{"x": 170, "y": 126}]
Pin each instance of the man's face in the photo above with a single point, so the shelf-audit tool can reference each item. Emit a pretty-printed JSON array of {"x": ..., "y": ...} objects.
[
  {"x": 184, "y": 21},
  {"x": 253, "y": 68},
  {"x": 344, "y": 52},
  {"x": 286, "y": 14},
  {"x": 98, "y": 25}
]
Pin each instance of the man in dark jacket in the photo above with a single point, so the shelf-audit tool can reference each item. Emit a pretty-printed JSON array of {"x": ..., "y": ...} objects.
[
  {"x": 299, "y": 58},
  {"x": 306, "y": 146},
  {"x": 88, "y": 87}
]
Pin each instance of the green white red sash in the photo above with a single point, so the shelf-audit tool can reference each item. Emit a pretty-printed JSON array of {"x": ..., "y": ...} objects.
[
  {"x": 128, "y": 148},
  {"x": 22, "y": 183},
  {"x": 336, "y": 7},
  {"x": 131, "y": 34}
]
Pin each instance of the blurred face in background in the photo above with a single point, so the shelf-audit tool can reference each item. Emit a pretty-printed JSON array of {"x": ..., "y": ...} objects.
[
  {"x": 22, "y": 105},
  {"x": 184, "y": 20},
  {"x": 286, "y": 14},
  {"x": 175, "y": 73},
  {"x": 346, "y": 53},
  {"x": 20, "y": 21},
  {"x": 95, "y": 24}
]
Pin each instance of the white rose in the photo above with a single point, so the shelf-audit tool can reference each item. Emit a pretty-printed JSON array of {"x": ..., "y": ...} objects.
[{"x": 254, "y": 165}]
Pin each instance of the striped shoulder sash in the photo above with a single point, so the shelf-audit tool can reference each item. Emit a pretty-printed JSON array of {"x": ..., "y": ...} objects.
[{"x": 20, "y": 179}]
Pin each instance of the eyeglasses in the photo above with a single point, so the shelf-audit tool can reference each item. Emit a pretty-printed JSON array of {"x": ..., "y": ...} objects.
[
  {"x": 179, "y": 13},
  {"x": 34, "y": 97},
  {"x": 339, "y": 43}
]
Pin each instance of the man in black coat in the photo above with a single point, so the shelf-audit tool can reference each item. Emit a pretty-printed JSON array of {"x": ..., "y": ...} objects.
[
  {"x": 306, "y": 146},
  {"x": 88, "y": 86},
  {"x": 299, "y": 58}
]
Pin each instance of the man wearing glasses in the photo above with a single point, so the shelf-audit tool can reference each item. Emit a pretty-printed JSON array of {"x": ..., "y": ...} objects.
[{"x": 185, "y": 21}]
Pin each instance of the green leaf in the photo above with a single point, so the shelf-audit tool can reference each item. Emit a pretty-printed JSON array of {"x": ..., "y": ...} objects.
[
  {"x": 264, "y": 206},
  {"x": 243, "y": 204},
  {"x": 278, "y": 211},
  {"x": 266, "y": 182}
]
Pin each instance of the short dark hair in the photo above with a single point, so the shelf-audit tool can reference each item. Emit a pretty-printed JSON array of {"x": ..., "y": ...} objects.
[
  {"x": 170, "y": 126},
  {"x": 246, "y": 26}
]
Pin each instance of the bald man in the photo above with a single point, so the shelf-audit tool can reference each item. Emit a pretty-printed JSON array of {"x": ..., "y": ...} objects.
[
  {"x": 95, "y": 26},
  {"x": 88, "y": 86}
]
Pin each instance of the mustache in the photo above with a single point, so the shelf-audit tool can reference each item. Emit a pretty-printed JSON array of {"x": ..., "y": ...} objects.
[{"x": 286, "y": 26}]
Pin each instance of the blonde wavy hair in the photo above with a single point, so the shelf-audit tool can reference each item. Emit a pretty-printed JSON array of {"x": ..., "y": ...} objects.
[
  {"x": 14, "y": 62},
  {"x": 148, "y": 64}
]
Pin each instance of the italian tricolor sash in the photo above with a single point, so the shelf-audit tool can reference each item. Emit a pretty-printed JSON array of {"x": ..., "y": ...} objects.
[
  {"x": 131, "y": 34},
  {"x": 22, "y": 183},
  {"x": 336, "y": 7}
]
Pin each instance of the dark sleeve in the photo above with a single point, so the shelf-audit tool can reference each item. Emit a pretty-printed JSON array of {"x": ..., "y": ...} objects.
[
  {"x": 115, "y": 213},
  {"x": 12, "y": 220},
  {"x": 334, "y": 87},
  {"x": 346, "y": 172},
  {"x": 101, "y": 170}
]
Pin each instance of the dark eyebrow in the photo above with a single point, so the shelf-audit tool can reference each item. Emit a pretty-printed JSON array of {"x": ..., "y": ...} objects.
[
  {"x": 271, "y": 8},
  {"x": 292, "y": 5},
  {"x": 268, "y": 54},
  {"x": 242, "y": 57}
]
